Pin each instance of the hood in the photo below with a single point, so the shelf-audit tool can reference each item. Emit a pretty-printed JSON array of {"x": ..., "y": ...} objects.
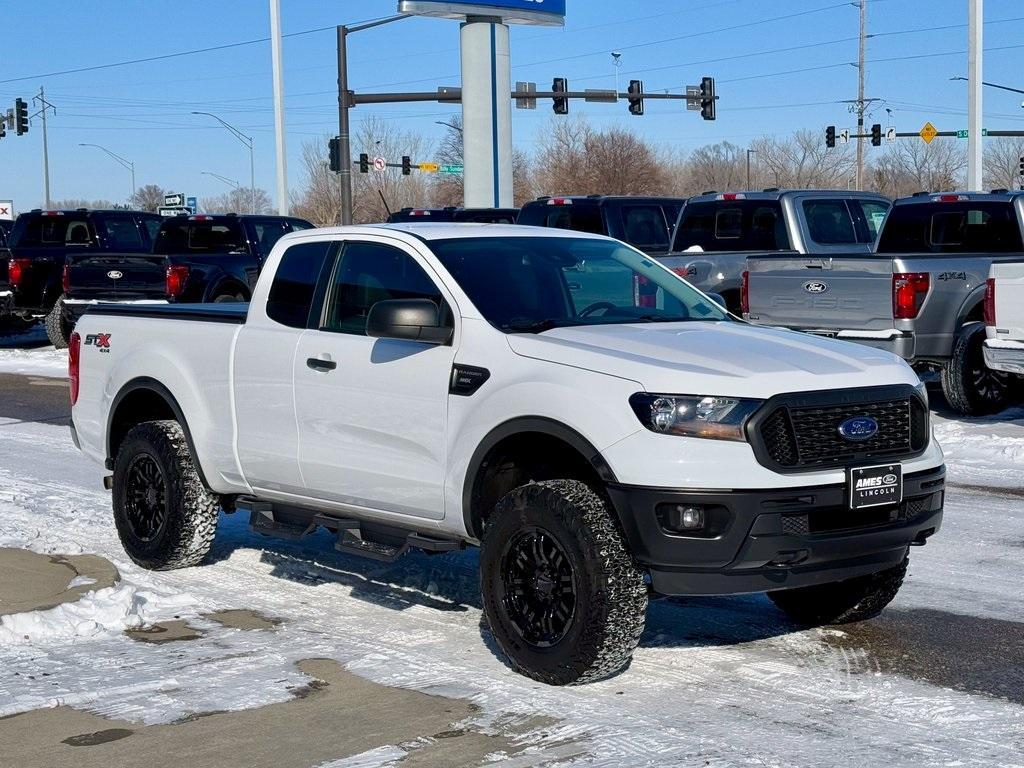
[{"x": 716, "y": 358}]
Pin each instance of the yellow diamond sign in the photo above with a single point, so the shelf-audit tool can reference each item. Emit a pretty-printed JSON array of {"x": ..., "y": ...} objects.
[{"x": 928, "y": 133}]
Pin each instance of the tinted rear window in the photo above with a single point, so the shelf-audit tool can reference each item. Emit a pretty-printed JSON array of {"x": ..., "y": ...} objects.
[
  {"x": 497, "y": 216},
  {"x": 962, "y": 227},
  {"x": 52, "y": 231},
  {"x": 728, "y": 225},
  {"x": 291, "y": 293},
  {"x": 186, "y": 236},
  {"x": 578, "y": 218}
]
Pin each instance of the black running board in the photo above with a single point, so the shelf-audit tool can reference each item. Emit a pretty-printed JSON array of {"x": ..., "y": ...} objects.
[{"x": 374, "y": 541}]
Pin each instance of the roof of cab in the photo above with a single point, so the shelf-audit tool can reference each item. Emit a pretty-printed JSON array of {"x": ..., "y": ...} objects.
[
  {"x": 448, "y": 231},
  {"x": 778, "y": 194},
  {"x": 997, "y": 196}
]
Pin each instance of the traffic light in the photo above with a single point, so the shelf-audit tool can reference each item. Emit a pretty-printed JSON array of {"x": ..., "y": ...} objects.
[
  {"x": 708, "y": 109},
  {"x": 830, "y": 137},
  {"x": 406, "y": 165},
  {"x": 1022, "y": 166},
  {"x": 3, "y": 127},
  {"x": 876, "y": 135},
  {"x": 560, "y": 104},
  {"x": 364, "y": 163},
  {"x": 334, "y": 151},
  {"x": 20, "y": 116},
  {"x": 636, "y": 97}
]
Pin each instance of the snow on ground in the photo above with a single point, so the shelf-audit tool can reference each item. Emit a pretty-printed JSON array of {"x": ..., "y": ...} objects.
[
  {"x": 985, "y": 451},
  {"x": 29, "y": 353},
  {"x": 715, "y": 682}
]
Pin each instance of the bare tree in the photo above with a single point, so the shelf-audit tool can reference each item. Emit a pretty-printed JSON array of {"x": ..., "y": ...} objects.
[
  {"x": 369, "y": 190},
  {"x": 913, "y": 166},
  {"x": 802, "y": 161},
  {"x": 1003, "y": 158},
  {"x": 147, "y": 198},
  {"x": 320, "y": 200},
  {"x": 238, "y": 200},
  {"x": 73, "y": 203},
  {"x": 718, "y": 167}
]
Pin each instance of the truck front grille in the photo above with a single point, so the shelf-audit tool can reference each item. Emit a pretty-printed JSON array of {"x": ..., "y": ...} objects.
[{"x": 798, "y": 435}]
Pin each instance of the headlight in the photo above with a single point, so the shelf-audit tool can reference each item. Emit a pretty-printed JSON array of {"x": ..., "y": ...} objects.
[{"x": 715, "y": 418}]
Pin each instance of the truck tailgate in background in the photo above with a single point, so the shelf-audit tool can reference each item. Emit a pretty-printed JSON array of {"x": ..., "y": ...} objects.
[
  {"x": 117, "y": 277},
  {"x": 1009, "y": 279},
  {"x": 827, "y": 293}
]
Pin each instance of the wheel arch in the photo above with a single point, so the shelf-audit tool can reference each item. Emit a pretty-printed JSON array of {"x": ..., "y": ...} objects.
[
  {"x": 972, "y": 309},
  {"x": 226, "y": 283},
  {"x": 144, "y": 399},
  {"x": 535, "y": 437}
]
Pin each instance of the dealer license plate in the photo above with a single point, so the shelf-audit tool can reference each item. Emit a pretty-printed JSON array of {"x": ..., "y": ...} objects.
[{"x": 875, "y": 486}]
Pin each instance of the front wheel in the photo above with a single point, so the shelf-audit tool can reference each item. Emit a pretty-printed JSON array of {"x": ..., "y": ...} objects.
[
  {"x": 971, "y": 387},
  {"x": 165, "y": 516},
  {"x": 58, "y": 330},
  {"x": 561, "y": 593},
  {"x": 843, "y": 602}
]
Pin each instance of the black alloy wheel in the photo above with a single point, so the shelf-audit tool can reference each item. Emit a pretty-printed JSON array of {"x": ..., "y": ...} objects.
[
  {"x": 539, "y": 587},
  {"x": 145, "y": 500}
]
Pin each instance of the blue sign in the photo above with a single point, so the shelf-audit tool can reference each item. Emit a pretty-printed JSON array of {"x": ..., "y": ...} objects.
[
  {"x": 550, "y": 12},
  {"x": 193, "y": 204}
]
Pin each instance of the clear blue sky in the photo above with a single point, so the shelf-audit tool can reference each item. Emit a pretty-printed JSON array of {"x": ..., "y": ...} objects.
[{"x": 774, "y": 75}]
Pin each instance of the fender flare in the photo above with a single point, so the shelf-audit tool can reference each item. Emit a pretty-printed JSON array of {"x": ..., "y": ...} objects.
[
  {"x": 151, "y": 385},
  {"x": 973, "y": 300},
  {"x": 227, "y": 281},
  {"x": 523, "y": 425}
]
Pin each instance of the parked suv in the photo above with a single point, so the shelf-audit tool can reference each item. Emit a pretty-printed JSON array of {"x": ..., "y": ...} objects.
[
  {"x": 643, "y": 222},
  {"x": 202, "y": 258},
  {"x": 32, "y": 263},
  {"x": 459, "y": 215},
  {"x": 717, "y": 232}
]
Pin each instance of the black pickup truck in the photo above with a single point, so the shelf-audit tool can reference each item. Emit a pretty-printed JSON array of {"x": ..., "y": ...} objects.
[
  {"x": 456, "y": 215},
  {"x": 32, "y": 261},
  {"x": 203, "y": 258}
]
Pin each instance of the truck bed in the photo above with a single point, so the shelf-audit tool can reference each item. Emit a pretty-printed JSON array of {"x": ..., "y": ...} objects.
[{"x": 233, "y": 313}]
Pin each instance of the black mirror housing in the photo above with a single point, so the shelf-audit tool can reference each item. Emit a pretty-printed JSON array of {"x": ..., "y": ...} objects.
[{"x": 408, "y": 320}]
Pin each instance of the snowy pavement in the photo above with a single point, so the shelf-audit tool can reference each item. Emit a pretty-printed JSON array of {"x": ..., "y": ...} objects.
[{"x": 938, "y": 680}]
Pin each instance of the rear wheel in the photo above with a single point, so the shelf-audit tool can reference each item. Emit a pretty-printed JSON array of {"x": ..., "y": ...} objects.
[
  {"x": 844, "y": 602},
  {"x": 561, "y": 593},
  {"x": 165, "y": 516},
  {"x": 229, "y": 298},
  {"x": 58, "y": 330},
  {"x": 970, "y": 386}
]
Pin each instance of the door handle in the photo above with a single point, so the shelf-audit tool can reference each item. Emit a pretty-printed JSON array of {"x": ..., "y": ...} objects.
[{"x": 320, "y": 365}]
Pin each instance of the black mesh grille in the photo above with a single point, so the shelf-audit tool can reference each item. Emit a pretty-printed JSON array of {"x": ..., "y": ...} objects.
[{"x": 808, "y": 437}]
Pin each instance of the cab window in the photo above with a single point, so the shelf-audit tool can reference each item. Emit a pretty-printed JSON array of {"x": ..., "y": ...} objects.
[{"x": 294, "y": 286}]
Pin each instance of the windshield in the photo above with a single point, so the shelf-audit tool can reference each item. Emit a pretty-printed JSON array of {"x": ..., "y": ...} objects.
[
  {"x": 533, "y": 284},
  {"x": 181, "y": 235}
]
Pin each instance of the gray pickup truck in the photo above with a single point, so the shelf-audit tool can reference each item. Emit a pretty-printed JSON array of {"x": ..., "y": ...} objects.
[
  {"x": 920, "y": 295},
  {"x": 717, "y": 232}
]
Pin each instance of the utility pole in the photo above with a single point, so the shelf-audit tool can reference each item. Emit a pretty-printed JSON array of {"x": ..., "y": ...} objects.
[
  {"x": 861, "y": 105},
  {"x": 749, "y": 153},
  {"x": 44, "y": 105},
  {"x": 282, "y": 160},
  {"x": 974, "y": 96}
]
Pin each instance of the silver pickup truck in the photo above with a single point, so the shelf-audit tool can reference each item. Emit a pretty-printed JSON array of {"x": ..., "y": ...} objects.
[
  {"x": 717, "y": 232},
  {"x": 920, "y": 295}
]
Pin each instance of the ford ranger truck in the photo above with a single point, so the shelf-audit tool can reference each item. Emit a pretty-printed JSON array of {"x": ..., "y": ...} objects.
[
  {"x": 716, "y": 233},
  {"x": 1004, "y": 320},
  {"x": 441, "y": 386},
  {"x": 920, "y": 295}
]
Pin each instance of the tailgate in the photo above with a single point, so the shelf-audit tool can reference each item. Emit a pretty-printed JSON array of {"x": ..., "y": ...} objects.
[
  {"x": 1009, "y": 300},
  {"x": 117, "y": 277},
  {"x": 827, "y": 293}
]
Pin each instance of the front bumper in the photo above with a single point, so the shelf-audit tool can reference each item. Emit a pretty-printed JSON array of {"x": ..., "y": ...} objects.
[
  {"x": 1003, "y": 355},
  {"x": 775, "y": 539}
]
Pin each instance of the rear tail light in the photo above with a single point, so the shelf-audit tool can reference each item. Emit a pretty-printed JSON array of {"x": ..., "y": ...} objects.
[
  {"x": 177, "y": 275},
  {"x": 74, "y": 358},
  {"x": 17, "y": 269},
  {"x": 65, "y": 278},
  {"x": 909, "y": 290},
  {"x": 745, "y": 293},
  {"x": 990, "y": 302}
]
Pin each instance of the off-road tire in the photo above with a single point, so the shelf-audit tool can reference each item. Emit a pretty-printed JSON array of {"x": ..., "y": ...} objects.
[
  {"x": 970, "y": 387},
  {"x": 58, "y": 330},
  {"x": 843, "y": 602},
  {"x": 611, "y": 596},
  {"x": 229, "y": 298},
  {"x": 191, "y": 510}
]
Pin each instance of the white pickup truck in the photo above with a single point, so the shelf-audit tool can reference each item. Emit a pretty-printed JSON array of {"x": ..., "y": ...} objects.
[
  {"x": 437, "y": 386},
  {"x": 1004, "y": 318}
]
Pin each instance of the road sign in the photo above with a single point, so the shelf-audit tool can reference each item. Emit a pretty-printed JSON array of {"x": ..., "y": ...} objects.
[
  {"x": 844, "y": 137},
  {"x": 963, "y": 133},
  {"x": 526, "y": 95},
  {"x": 175, "y": 200},
  {"x": 380, "y": 164},
  {"x": 192, "y": 203},
  {"x": 452, "y": 170},
  {"x": 928, "y": 133},
  {"x": 173, "y": 210},
  {"x": 890, "y": 135},
  {"x": 7, "y": 210},
  {"x": 430, "y": 167},
  {"x": 548, "y": 12}
]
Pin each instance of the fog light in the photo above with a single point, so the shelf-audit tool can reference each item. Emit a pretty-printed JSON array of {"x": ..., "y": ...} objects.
[{"x": 683, "y": 517}]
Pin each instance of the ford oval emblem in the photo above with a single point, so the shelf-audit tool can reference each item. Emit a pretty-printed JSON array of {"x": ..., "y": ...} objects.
[
  {"x": 858, "y": 428},
  {"x": 815, "y": 286},
  {"x": 114, "y": 274}
]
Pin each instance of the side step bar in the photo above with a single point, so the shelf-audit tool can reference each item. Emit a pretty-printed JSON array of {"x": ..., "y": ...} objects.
[{"x": 381, "y": 543}]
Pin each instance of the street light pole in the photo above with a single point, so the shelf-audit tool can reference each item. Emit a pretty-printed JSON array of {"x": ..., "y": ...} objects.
[
  {"x": 247, "y": 140},
  {"x": 127, "y": 164},
  {"x": 234, "y": 184},
  {"x": 344, "y": 104}
]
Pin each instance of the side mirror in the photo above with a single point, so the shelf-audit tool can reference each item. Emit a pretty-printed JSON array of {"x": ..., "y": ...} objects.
[{"x": 408, "y": 320}]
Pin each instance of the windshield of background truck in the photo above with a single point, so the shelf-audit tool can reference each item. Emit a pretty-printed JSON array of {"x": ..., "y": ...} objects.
[
  {"x": 955, "y": 227},
  {"x": 51, "y": 231},
  {"x": 524, "y": 284},
  {"x": 186, "y": 236},
  {"x": 732, "y": 225}
]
